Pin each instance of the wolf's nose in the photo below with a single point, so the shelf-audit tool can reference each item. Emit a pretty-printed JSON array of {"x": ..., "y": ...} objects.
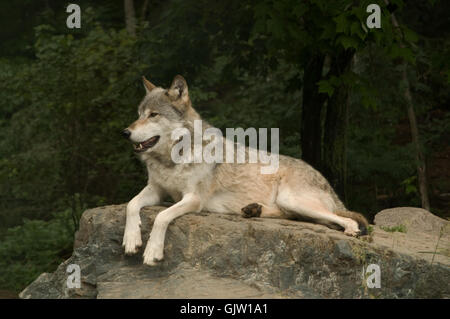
[{"x": 126, "y": 133}]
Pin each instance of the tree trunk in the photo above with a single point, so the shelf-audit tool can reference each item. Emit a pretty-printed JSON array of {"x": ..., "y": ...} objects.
[
  {"x": 420, "y": 158},
  {"x": 144, "y": 10},
  {"x": 311, "y": 126},
  {"x": 130, "y": 17},
  {"x": 334, "y": 164}
]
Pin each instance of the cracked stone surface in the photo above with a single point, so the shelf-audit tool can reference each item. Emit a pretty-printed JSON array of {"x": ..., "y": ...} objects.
[{"x": 227, "y": 256}]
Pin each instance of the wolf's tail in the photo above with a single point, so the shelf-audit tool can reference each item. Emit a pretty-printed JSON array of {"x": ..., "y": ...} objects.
[{"x": 363, "y": 224}]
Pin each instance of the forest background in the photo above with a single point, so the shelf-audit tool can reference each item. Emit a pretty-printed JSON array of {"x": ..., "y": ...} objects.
[{"x": 369, "y": 108}]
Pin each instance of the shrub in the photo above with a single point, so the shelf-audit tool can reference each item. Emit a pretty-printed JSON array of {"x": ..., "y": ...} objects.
[{"x": 32, "y": 248}]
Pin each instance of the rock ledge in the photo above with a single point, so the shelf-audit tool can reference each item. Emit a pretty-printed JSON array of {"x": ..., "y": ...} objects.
[{"x": 226, "y": 256}]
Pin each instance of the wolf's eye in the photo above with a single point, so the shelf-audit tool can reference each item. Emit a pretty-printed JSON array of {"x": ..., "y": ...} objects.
[{"x": 153, "y": 114}]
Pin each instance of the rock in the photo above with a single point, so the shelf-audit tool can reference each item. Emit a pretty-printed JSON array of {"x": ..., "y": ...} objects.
[
  {"x": 227, "y": 256},
  {"x": 343, "y": 249},
  {"x": 427, "y": 236},
  {"x": 416, "y": 220}
]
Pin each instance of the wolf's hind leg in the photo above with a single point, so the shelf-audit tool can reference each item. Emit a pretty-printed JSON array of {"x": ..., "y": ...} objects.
[
  {"x": 311, "y": 207},
  {"x": 132, "y": 236},
  {"x": 261, "y": 210}
]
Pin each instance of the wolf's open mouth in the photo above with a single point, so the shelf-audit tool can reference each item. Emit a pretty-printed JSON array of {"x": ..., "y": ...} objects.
[{"x": 145, "y": 145}]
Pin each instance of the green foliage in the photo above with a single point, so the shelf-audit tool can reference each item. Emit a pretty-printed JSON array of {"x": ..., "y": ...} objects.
[
  {"x": 410, "y": 187},
  {"x": 398, "y": 228},
  {"x": 323, "y": 25},
  {"x": 67, "y": 94},
  {"x": 79, "y": 94},
  {"x": 248, "y": 105},
  {"x": 35, "y": 247}
]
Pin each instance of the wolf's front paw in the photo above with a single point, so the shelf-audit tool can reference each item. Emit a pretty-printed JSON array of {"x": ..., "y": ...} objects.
[
  {"x": 251, "y": 210},
  {"x": 153, "y": 254},
  {"x": 132, "y": 240}
]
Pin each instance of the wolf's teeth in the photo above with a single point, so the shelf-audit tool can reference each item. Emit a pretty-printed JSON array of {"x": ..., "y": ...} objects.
[{"x": 140, "y": 146}]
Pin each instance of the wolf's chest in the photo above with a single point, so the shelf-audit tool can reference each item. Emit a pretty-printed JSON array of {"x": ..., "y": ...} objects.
[{"x": 180, "y": 179}]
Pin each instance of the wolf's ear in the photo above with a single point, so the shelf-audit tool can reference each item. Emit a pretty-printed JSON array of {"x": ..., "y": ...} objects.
[
  {"x": 178, "y": 91},
  {"x": 149, "y": 86}
]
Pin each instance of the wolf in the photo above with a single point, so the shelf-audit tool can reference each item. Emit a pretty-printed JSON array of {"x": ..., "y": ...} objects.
[{"x": 295, "y": 191}]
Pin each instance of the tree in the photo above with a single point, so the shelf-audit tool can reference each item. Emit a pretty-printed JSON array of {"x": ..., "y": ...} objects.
[
  {"x": 334, "y": 160},
  {"x": 420, "y": 158},
  {"x": 130, "y": 17},
  {"x": 319, "y": 37},
  {"x": 312, "y": 107}
]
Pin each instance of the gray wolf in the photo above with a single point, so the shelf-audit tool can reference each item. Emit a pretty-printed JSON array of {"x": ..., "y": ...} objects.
[{"x": 294, "y": 191}]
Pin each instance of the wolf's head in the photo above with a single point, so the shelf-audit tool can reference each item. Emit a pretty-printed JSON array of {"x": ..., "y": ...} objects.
[{"x": 160, "y": 113}]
